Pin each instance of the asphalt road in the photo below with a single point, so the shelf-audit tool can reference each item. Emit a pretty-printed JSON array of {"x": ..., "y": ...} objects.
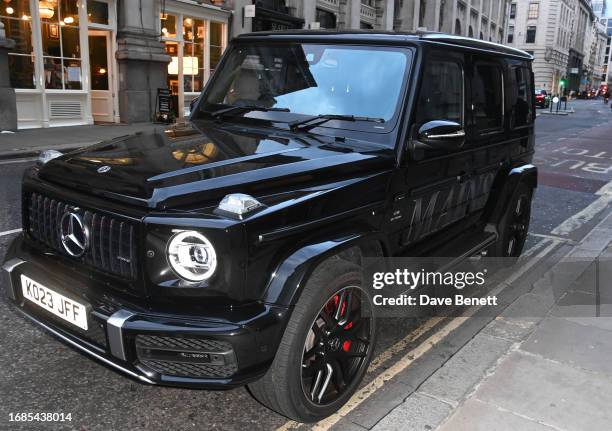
[{"x": 39, "y": 374}]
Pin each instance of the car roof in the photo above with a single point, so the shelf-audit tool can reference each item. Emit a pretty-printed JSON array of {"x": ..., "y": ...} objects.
[{"x": 373, "y": 36}]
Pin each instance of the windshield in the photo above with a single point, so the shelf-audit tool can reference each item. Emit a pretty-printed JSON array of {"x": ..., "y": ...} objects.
[{"x": 312, "y": 79}]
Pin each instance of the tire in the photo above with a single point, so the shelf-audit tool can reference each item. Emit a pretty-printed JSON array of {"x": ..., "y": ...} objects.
[
  {"x": 306, "y": 386},
  {"x": 514, "y": 225}
]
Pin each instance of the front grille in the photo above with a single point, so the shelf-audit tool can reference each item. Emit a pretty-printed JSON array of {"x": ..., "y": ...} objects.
[
  {"x": 112, "y": 242},
  {"x": 182, "y": 343},
  {"x": 182, "y": 369}
]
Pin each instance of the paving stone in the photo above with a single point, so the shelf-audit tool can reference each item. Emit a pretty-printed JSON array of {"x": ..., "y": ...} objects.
[
  {"x": 346, "y": 425},
  {"x": 509, "y": 329},
  {"x": 575, "y": 304},
  {"x": 560, "y": 279},
  {"x": 565, "y": 341},
  {"x": 379, "y": 404},
  {"x": 475, "y": 415},
  {"x": 417, "y": 413},
  {"x": 464, "y": 370},
  {"x": 528, "y": 307},
  {"x": 553, "y": 393},
  {"x": 596, "y": 241}
]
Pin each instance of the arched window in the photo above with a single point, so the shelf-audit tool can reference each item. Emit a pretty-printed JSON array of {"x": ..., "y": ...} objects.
[
  {"x": 471, "y": 32},
  {"x": 458, "y": 27}
]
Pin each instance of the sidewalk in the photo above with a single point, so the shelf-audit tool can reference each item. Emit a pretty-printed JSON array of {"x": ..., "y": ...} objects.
[
  {"x": 30, "y": 142},
  {"x": 542, "y": 365}
]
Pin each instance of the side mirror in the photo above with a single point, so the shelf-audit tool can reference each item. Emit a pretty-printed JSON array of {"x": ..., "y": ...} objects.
[
  {"x": 440, "y": 132},
  {"x": 437, "y": 138}
]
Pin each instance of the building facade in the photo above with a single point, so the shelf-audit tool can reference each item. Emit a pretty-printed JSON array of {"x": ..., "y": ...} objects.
[
  {"x": 482, "y": 19},
  {"x": 89, "y": 61},
  {"x": 312, "y": 14},
  {"x": 565, "y": 39},
  {"x": 602, "y": 10}
]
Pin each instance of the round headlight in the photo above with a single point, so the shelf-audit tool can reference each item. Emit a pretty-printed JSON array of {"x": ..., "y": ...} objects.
[{"x": 192, "y": 256}]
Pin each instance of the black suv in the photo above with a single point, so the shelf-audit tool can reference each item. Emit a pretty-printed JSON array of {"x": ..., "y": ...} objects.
[{"x": 227, "y": 251}]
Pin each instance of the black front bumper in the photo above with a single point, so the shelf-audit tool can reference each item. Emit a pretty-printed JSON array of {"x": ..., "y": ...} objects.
[{"x": 152, "y": 347}]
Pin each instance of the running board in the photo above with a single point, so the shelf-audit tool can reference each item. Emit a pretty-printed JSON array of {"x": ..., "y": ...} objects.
[{"x": 464, "y": 246}]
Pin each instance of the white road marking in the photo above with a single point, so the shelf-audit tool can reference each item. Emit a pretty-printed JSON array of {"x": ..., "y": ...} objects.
[
  {"x": 553, "y": 238},
  {"x": 586, "y": 214},
  {"x": 10, "y": 232}
]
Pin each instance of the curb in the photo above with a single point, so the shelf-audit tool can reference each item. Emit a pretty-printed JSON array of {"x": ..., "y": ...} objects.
[{"x": 23, "y": 153}]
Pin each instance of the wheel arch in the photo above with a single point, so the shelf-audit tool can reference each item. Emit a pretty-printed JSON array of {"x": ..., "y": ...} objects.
[{"x": 293, "y": 272}]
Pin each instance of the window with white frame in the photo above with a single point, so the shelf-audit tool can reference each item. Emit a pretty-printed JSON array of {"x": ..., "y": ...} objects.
[
  {"x": 15, "y": 15},
  {"x": 61, "y": 46},
  {"x": 195, "y": 46},
  {"x": 534, "y": 11}
]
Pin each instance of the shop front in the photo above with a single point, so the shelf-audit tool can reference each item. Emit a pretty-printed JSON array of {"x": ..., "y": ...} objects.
[
  {"x": 63, "y": 61},
  {"x": 195, "y": 37}
]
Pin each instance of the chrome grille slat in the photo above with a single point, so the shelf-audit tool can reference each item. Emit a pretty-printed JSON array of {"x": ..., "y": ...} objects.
[{"x": 109, "y": 238}]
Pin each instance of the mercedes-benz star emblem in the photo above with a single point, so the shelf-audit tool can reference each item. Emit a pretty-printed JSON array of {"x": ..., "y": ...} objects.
[
  {"x": 104, "y": 169},
  {"x": 74, "y": 234}
]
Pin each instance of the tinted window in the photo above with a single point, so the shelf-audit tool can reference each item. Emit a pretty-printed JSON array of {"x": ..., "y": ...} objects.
[
  {"x": 487, "y": 96},
  {"x": 441, "y": 96},
  {"x": 522, "y": 114},
  {"x": 313, "y": 79}
]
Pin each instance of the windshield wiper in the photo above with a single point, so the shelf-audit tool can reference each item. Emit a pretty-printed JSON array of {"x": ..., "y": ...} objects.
[
  {"x": 237, "y": 108},
  {"x": 317, "y": 120}
]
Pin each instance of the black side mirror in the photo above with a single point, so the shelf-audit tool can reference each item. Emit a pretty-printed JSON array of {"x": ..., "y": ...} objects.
[
  {"x": 193, "y": 104},
  {"x": 441, "y": 133},
  {"x": 437, "y": 137}
]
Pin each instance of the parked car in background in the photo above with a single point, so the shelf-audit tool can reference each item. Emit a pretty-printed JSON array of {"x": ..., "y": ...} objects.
[{"x": 542, "y": 98}]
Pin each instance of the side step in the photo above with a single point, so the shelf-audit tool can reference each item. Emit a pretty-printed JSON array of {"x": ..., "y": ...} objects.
[{"x": 462, "y": 247}]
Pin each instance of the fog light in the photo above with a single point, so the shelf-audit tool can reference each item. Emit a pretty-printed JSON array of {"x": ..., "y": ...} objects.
[{"x": 192, "y": 256}]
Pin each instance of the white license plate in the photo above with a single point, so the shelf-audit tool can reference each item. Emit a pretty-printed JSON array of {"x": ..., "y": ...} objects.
[{"x": 65, "y": 308}]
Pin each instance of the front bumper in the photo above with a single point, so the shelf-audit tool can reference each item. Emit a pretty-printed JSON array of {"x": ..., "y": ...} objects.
[{"x": 151, "y": 346}]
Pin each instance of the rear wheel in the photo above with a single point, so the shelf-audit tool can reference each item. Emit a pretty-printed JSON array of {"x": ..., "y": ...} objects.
[
  {"x": 326, "y": 348},
  {"x": 514, "y": 226}
]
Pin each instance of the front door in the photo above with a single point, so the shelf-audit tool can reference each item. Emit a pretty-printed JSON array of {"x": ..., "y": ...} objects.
[{"x": 100, "y": 76}]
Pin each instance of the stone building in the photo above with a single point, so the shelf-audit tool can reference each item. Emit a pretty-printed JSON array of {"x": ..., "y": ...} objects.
[
  {"x": 482, "y": 19},
  {"x": 604, "y": 13},
  {"x": 72, "y": 63},
  {"x": 563, "y": 37}
]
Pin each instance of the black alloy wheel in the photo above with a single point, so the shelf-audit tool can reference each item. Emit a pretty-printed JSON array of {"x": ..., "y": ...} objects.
[
  {"x": 326, "y": 348},
  {"x": 336, "y": 346},
  {"x": 518, "y": 226},
  {"x": 514, "y": 225}
]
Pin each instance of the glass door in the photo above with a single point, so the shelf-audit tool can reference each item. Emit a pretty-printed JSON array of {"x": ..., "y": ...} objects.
[{"x": 99, "y": 67}]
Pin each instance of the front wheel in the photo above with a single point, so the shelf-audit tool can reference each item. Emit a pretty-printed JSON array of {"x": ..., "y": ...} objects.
[{"x": 326, "y": 348}]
